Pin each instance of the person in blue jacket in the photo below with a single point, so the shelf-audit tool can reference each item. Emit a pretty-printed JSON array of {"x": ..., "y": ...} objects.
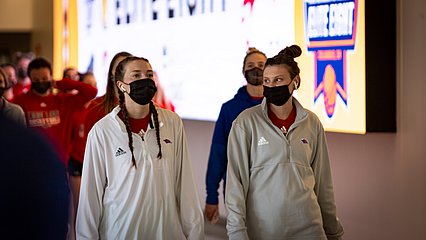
[{"x": 247, "y": 96}]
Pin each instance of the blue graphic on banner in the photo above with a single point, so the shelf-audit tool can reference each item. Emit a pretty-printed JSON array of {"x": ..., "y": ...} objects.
[{"x": 330, "y": 28}]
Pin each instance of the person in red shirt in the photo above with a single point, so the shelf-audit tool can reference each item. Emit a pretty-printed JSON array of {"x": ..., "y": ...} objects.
[
  {"x": 23, "y": 84},
  {"x": 101, "y": 106},
  {"x": 51, "y": 114},
  {"x": 160, "y": 99},
  {"x": 78, "y": 145}
]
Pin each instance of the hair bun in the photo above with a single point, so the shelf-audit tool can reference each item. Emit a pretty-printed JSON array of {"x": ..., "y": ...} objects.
[
  {"x": 293, "y": 51},
  {"x": 251, "y": 50}
]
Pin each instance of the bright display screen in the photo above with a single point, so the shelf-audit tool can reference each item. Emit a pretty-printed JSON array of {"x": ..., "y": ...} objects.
[{"x": 197, "y": 48}]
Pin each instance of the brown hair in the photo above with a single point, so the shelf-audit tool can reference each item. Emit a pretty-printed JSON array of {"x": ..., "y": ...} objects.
[
  {"x": 6, "y": 80},
  {"x": 250, "y": 51},
  {"x": 286, "y": 57},
  {"x": 119, "y": 75},
  {"x": 109, "y": 98}
]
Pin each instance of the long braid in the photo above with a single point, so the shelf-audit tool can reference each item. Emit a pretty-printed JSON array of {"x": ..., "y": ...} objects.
[
  {"x": 119, "y": 74},
  {"x": 127, "y": 124},
  {"x": 157, "y": 127}
]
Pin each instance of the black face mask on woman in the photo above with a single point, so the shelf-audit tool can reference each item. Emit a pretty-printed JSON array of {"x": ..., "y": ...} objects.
[
  {"x": 22, "y": 73},
  {"x": 277, "y": 95},
  {"x": 142, "y": 91},
  {"x": 254, "y": 76},
  {"x": 40, "y": 87}
]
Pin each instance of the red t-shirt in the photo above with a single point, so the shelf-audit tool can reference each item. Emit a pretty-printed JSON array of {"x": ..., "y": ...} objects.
[
  {"x": 20, "y": 89},
  {"x": 95, "y": 111},
  {"x": 280, "y": 123},
  {"x": 78, "y": 137},
  {"x": 52, "y": 114},
  {"x": 137, "y": 124}
]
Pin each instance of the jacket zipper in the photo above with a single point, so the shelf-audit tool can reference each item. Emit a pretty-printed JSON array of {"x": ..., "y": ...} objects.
[{"x": 141, "y": 133}]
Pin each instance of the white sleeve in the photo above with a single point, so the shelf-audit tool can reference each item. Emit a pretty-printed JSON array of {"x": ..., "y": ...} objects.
[
  {"x": 237, "y": 182},
  {"x": 92, "y": 188},
  {"x": 188, "y": 202}
]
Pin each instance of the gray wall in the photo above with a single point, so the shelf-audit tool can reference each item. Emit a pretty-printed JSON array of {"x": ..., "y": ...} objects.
[{"x": 379, "y": 178}]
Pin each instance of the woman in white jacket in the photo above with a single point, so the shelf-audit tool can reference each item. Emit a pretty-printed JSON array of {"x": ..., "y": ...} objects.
[
  {"x": 279, "y": 182},
  {"x": 137, "y": 180}
]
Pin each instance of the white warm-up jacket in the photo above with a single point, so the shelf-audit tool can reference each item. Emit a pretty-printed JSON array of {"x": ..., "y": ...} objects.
[
  {"x": 156, "y": 200},
  {"x": 279, "y": 186}
]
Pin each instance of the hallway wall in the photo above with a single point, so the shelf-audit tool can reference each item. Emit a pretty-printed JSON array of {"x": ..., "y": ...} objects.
[{"x": 379, "y": 178}]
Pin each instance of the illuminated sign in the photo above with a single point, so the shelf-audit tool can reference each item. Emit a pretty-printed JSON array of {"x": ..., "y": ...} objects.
[
  {"x": 333, "y": 62},
  {"x": 197, "y": 49}
]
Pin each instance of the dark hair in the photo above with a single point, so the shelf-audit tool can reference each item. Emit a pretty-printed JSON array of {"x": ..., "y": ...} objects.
[
  {"x": 9, "y": 65},
  {"x": 8, "y": 81},
  {"x": 64, "y": 73},
  {"x": 118, "y": 76},
  {"x": 82, "y": 76},
  {"x": 286, "y": 57},
  {"x": 109, "y": 99},
  {"x": 38, "y": 63},
  {"x": 250, "y": 51}
]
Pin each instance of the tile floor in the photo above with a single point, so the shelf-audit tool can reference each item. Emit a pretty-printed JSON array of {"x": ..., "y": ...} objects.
[{"x": 215, "y": 231}]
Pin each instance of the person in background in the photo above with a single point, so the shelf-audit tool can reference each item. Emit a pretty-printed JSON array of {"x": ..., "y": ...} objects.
[
  {"x": 71, "y": 73},
  {"x": 23, "y": 84},
  {"x": 34, "y": 191},
  {"x": 160, "y": 99},
  {"x": 8, "y": 109},
  {"x": 102, "y": 105},
  {"x": 247, "y": 96},
  {"x": 10, "y": 71},
  {"x": 51, "y": 114},
  {"x": 279, "y": 183},
  {"x": 78, "y": 144},
  {"x": 137, "y": 178}
]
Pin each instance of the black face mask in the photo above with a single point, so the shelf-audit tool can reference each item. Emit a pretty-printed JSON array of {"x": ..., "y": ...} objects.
[
  {"x": 142, "y": 91},
  {"x": 22, "y": 73},
  {"x": 254, "y": 76},
  {"x": 40, "y": 87},
  {"x": 277, "y": 95}
]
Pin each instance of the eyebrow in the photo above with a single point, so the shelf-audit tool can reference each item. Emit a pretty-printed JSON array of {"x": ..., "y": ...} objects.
[
  {"x": 135, "y": 71},
  {"x": 277, "y": 76}
]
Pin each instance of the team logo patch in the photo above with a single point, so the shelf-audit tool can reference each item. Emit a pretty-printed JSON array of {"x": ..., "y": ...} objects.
[
  {"x": 119, "y": 152},
  {"x": 167, "y": 141}
]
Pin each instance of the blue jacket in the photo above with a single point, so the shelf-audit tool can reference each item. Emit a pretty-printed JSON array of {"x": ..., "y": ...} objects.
[{"x": 216, "y": 169}]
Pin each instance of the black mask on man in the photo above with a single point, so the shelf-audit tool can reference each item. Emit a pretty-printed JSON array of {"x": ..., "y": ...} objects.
[
  {"x": 22, "y": 73},
  {"x": 41, "y": 87},
  {"x": 277, "y": 95},
  {"x": 142, "y": 91},
  {"x": 254, "y": 76}
]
